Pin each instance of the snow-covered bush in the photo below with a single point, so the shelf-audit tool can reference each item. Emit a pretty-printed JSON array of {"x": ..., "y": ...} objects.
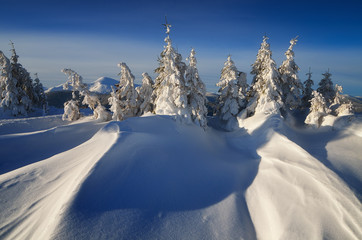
[
  {"x": 196, "y": 92},
  {"x": 318, "y": 110},
  {"x": 326, "y": 87},
  {"x": 265, "y": 92},
  {"x": 230, "y": 102},
  {"x": 307, "y": 91},
  {"x": 342, "y": 107},
  {"x": 145, "y": 94},
  {"x": 291, "y": 85},
  {"x": 101, "y": 113},
  {"x": 71, "y": 111},
  {"x": 170, "y": 93}
]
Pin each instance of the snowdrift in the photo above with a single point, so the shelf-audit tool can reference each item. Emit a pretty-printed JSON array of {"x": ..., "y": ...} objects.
[{"x": 152, "y": 178}]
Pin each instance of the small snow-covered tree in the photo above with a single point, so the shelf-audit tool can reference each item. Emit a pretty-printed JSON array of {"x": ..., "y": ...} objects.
[
  {"x": 229, "y": 99},
  {"x": 338, "y": 99},
  {"x": 291, "y": 85},
  {"x": 126, "y": 92},
  {"x": 318, "y": 110},
  {"x": 71, "y": 110},
  {"x": 145, "y": 94},
  {"x": 196, "y": 92},
  {"x": 342, "y": 107},
  {"x": 243, "y": 88},
  {"x": 71, "y": 107},
  {"x": 39, "y": 94},
  {"x": 116, "y": 106},
  {"x": 326, "y": 87},
  {"x": 265, "y": 93},
  {"x": 170, "y": 93},
  {"x": 345, "y": 109},
  {"x": 76, "y": 82},
  {"x": 307, "y": 90}
]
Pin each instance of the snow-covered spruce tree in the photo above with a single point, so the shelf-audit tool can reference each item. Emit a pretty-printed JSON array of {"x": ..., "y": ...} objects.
[
  {"x": 307, "y": 91},
  {"x": 90, "y": 99},
  {"x": 23, "y": 81},
  {"x": 170, "y": 93},
  {"x": 144, "y": 99},
  {"x": 291, "y": 85},
  {"x": 39, "y": 95},
  {"x": 265, "y": 92},
  {"x": 9, "y": 91},
  {"x": 230, "y": 102},
  {"x": 318, "y": 110},
  {"x": 326, "y": 87},
  {"x": 196, "y": 92}
]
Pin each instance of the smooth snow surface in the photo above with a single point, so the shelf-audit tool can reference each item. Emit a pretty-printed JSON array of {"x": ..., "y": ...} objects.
[{"x": 153, "y": 178}]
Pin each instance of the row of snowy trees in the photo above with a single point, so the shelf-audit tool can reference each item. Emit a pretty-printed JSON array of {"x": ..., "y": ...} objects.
[
  {"x": 19, "y": 94},
  {"x": 276, "y": 90},
  {"x": 178, "y": 91}
]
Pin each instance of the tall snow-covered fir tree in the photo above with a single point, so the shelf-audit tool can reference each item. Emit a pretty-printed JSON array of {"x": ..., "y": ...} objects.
[
  {"x": 318, "y": 110},
  {"x": 196, "y": 92},
  {"x": 9, "y": 92},
  {"x": 145, "y": 94},
  {"x": 170, "y": 93},
  {"x": 230, "y": 102},
  {"x": 265, "y": 92},
  {"x": 291, "y": 86},
  {"x": 307, "y": 91},
  {"x": 23, "y": 81},
  {"x": 326, "y": 87}
]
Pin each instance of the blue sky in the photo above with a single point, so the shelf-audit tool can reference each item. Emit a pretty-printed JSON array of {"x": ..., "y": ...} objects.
[{"x": 92, "y": 37}]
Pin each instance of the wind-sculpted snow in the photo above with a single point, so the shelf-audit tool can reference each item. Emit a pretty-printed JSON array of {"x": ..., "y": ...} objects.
[
  {"x": 158, "y": 176},
  {"x": 34, "y": 197},
  {"x": 21, "y": 149},
  {"x": 153, "y": 178}
]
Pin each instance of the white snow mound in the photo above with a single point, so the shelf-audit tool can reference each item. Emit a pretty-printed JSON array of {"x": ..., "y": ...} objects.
[{"x": 153, "y": 178}]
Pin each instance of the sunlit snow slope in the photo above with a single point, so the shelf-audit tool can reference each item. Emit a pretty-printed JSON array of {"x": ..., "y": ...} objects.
[{"x": 152, "y": 178}]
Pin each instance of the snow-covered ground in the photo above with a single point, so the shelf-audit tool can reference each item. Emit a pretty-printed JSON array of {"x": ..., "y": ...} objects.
[{"x": 152, "y": 178}]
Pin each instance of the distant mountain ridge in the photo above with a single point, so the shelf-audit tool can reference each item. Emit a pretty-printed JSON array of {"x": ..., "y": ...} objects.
[{"x": 102, "y": 85}]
